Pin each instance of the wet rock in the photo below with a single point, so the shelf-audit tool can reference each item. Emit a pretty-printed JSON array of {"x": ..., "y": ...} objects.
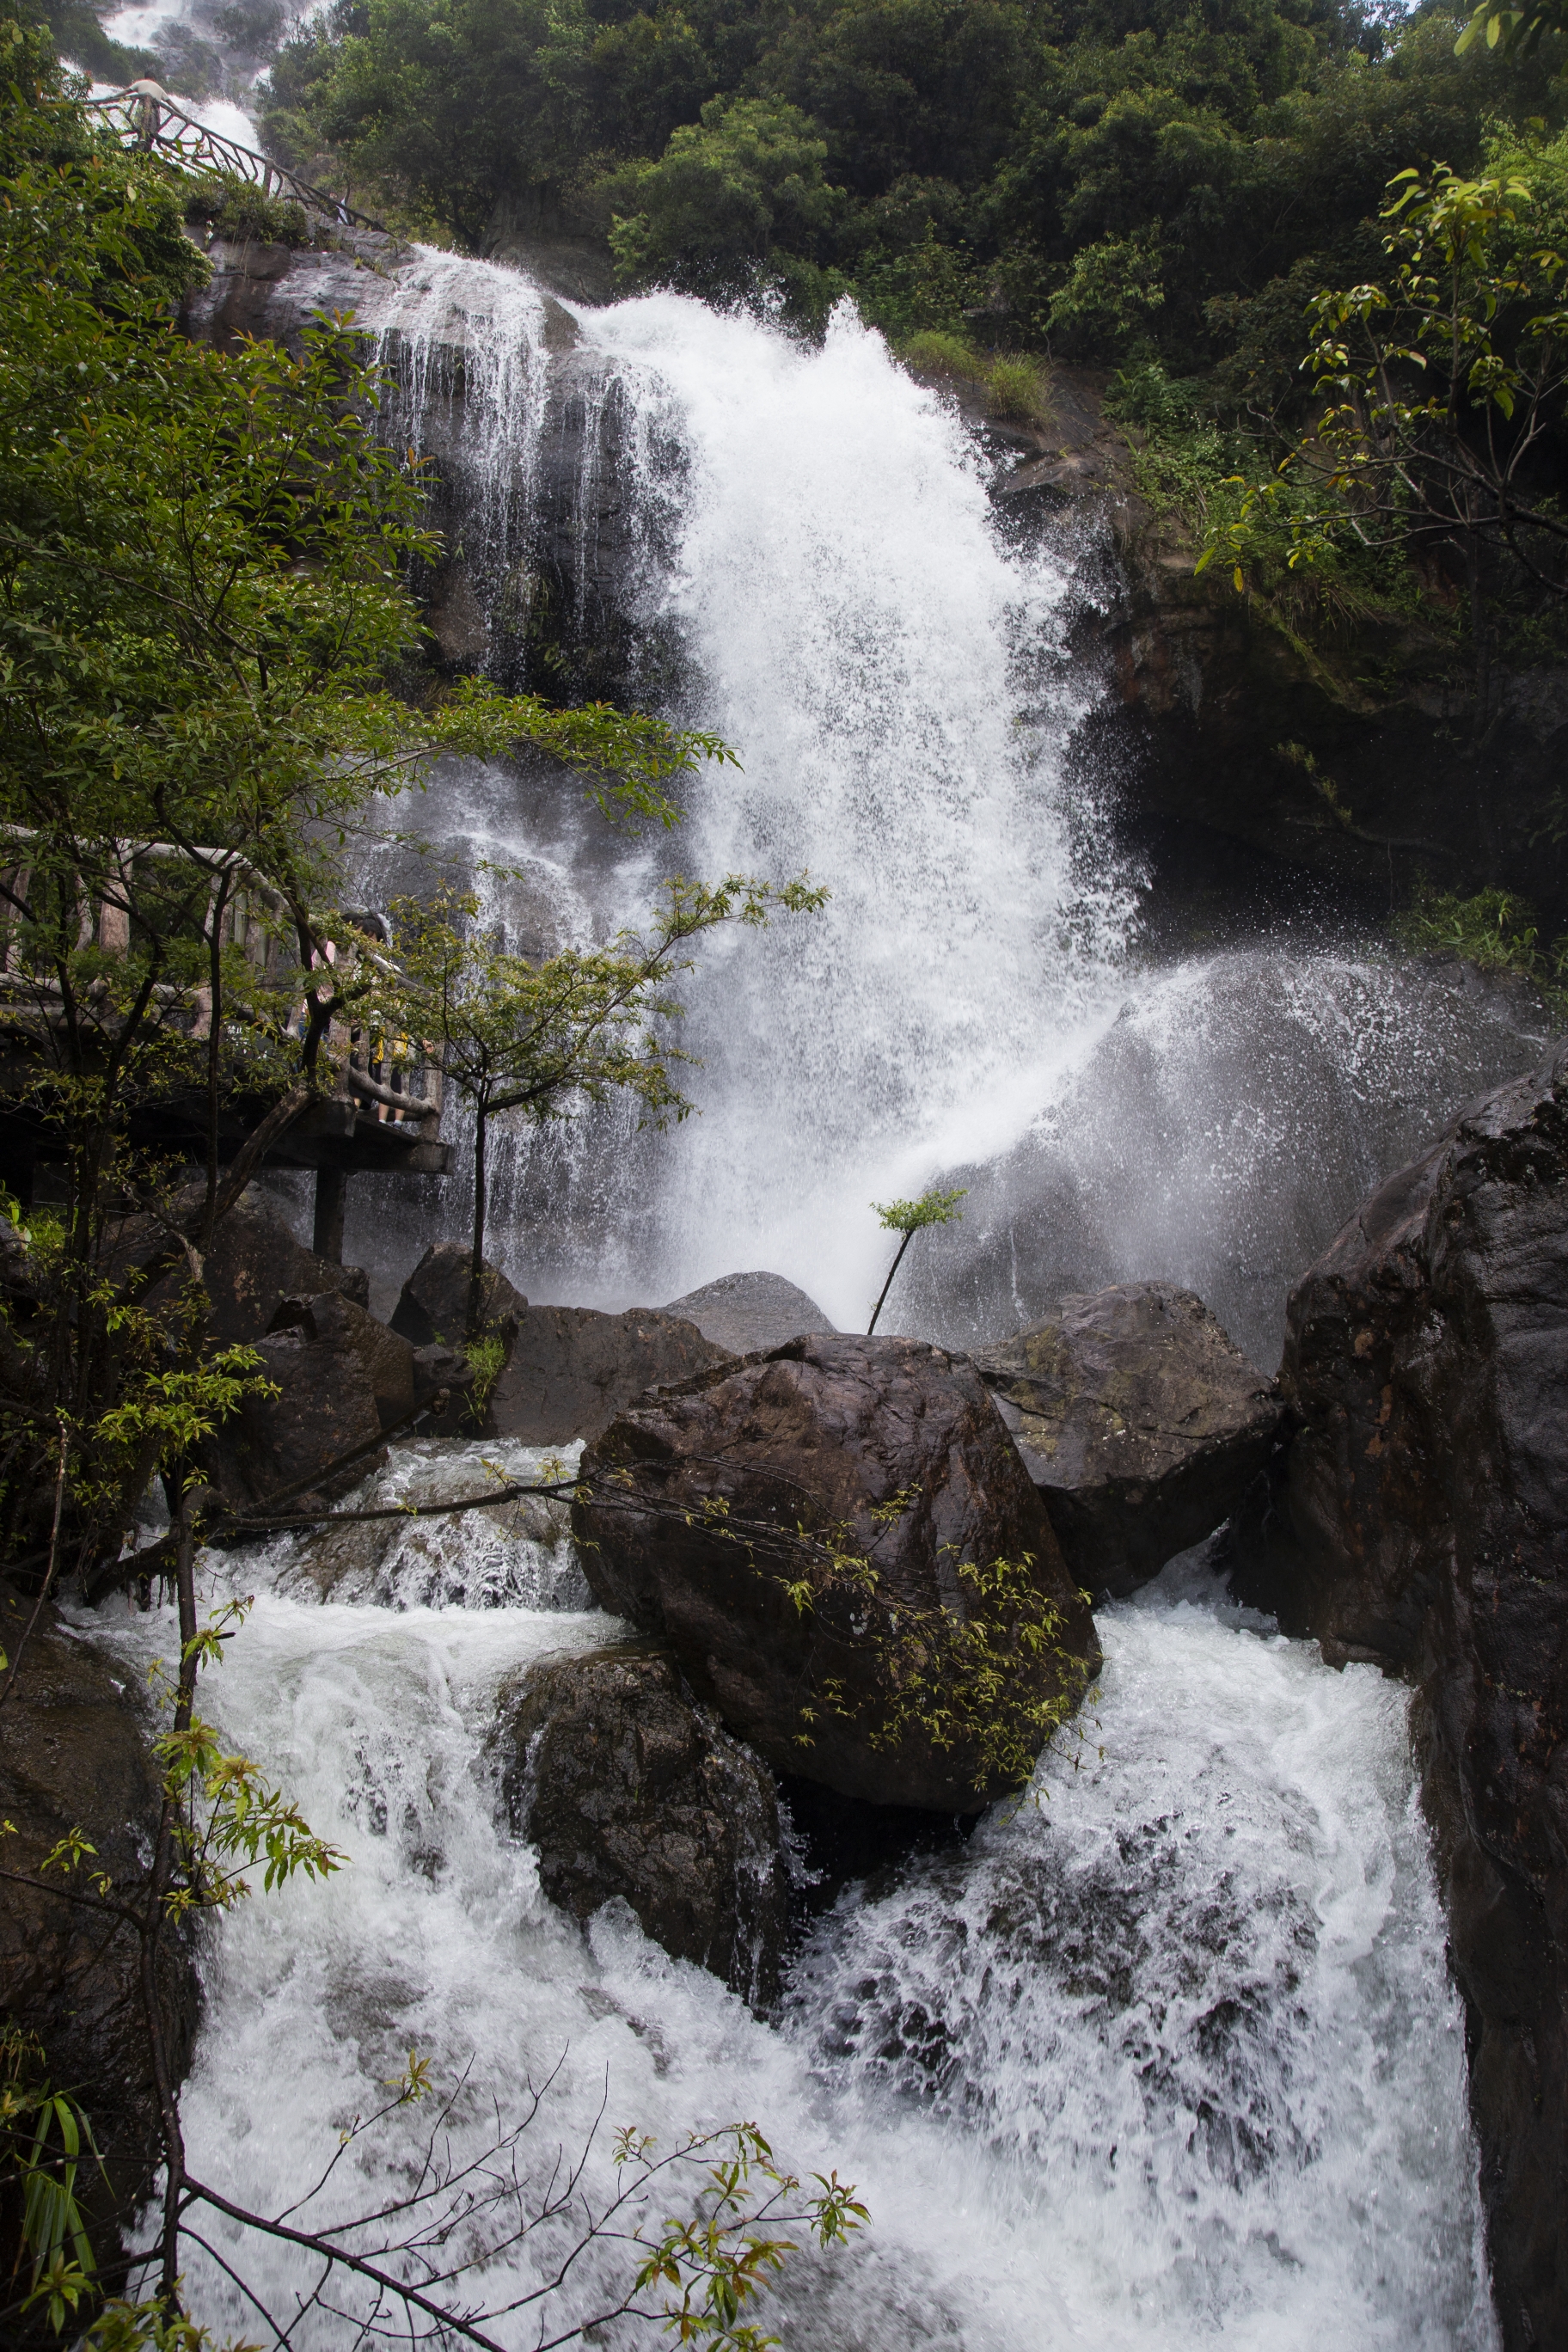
[
  {"x": 629, "y": 1788},
  {"x": 745, "y": 1312},
  {"x": 1138, "y": 1421},
  {"x": 513, "y": 1555},
  {"x": 433, "y": 1308},
  {"x": 387, "y": 1357},
  {"x": 73, "y": 1754},
  {"x": 325, "y": 1406},
  {"x": 572, "y": 1369},
  {"x": 254, "y": 1262},
  {"x": 1418, "y": 1518},
  {"x": 894, "y": 1446}
]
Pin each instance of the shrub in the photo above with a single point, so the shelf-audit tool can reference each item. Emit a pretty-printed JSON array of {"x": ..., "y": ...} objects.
[
  {"x": 1015, "y": 390},
  {"x": 932, "y": 353},
  {"x": 238, "y": 208},
  {"x": 1496, "y": 931}
]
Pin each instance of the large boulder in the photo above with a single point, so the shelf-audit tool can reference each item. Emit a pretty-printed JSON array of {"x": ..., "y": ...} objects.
[
  {"x": 628, "y": 1788},
  {"x": 1139, "y": 1421},
  {"x": 748, "y": 1312},
  {"x": 323, "y": 1406},
  {"x": 73, "y": 1756},
  {"x": 254, "y": 1264},
  {"x": 434, "y": 1305},
  {"x": 572, "y": 1369},
  {"x": 1419, "y": 1519},
  {"x": 886, "y": 1451},
  {"x": 390, "y": 1362}
]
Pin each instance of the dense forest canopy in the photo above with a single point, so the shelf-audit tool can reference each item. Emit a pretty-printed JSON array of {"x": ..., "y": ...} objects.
[{"x": 1101, "y": 179}]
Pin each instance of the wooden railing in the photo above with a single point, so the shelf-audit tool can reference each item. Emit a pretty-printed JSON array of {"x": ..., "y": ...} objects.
[
  {"x": 147, "y": 118},
  {"x": 393, "y": 1083}
]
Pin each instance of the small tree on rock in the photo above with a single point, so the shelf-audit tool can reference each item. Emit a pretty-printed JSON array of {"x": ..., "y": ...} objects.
[{"x": 547, "y": 1036}]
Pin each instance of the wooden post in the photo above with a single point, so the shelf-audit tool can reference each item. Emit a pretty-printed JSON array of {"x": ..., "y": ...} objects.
[{"x": 327, "y": 1240}]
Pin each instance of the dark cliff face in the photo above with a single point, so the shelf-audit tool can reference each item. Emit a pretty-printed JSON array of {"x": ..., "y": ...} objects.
[
  {"x": 547, "y": 574},
  {"x": 1212, "y": 703},
  {"x": 1419, "y": 1521}
]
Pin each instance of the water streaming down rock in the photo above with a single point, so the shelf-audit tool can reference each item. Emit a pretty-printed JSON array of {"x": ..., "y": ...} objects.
[
  {"x": 796, "y": 546},
  {"x": 1175, "y": 2057},
  {"x": 1170, "y": 2057}
]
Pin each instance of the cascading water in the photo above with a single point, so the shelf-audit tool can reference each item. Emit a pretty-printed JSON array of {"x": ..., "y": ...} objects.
[
  {"x": 1170, "y": 2057},
  {"x": 800, "y": 551}
]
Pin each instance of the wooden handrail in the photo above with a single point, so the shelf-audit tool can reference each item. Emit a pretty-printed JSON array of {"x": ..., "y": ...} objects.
[{"x": 147, "y": 118}]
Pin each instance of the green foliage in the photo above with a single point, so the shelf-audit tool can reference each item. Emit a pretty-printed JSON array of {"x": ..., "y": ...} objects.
[
  {"x": 932, "y": 1208},
  {"x": 240, "y": 210},
  {"x": 967, "y": 1679},
  {"x": 485, "y": 1354},
  {"x": 934, "y": 353},
  {"x": 1494, "y": 929},
  {"x": 458, "y": 107},
  {"x": 42, "y": 2137},
  {"x": 1014, "y": 387},
  {"x": 748, "y": 2219},
  {"x": 1015, "y": 390},
  {"x": 907, "y": 1217},
  {"x": 1112, "y": 294},
  {"x": 151, "y": 2326},
  {"x": 1516, "y": 29},
  {"x": 727, "y": 192},
  {"x": 1439, "y": 381}
]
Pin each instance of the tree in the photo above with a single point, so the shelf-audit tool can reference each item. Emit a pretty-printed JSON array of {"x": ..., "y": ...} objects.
[
  {"x": 907, "y": 1217},
  {"x": 544, "y": 1037},
  {"x": 458, "y": 108},
  {"x": 1443, "y": 385},
  {"x": 723, "y": 196}
]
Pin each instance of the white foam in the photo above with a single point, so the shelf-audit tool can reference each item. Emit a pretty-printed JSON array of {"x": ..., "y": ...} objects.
[{"x": 1172, "y": 2060}]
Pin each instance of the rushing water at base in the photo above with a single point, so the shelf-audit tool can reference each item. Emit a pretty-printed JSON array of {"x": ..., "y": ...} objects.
[{"x": 1170, "y": 2058}]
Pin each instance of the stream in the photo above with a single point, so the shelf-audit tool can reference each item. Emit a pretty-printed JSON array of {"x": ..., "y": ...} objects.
[{"x": 1165, "y": 2055}]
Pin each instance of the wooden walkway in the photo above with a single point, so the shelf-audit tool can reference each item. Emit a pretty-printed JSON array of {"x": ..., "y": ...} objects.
[
  {"x": 381, "y": 1114},
  {"x": 147, "y": 118}
]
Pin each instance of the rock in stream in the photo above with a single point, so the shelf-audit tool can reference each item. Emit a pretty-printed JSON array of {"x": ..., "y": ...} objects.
[
  {"x": 894, "y": 1449},
  {"x": 1419, "y": 1521},
  {"x": 1139, "y": 1421}
]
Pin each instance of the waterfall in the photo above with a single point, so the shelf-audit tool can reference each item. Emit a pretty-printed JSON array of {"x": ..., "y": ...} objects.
[
  {"x": 796, "y": 546},
  {"x": 1166, "y": 2053}
]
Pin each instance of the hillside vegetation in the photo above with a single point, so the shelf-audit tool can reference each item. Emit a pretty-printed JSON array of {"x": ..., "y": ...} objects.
[{"x": 1111, "y": 180}]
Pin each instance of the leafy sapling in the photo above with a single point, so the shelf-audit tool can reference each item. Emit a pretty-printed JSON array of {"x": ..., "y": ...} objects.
[{"x": 907, "y": 1217}]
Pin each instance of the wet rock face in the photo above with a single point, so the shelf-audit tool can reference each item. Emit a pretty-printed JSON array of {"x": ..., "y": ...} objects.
[
  {"x": 572, "y": 1369},
  {"x": 434, "y": 1307},
  {"x": 747, "y": 1312},
  {"x": 628, "y": 1788},
  {"x": 896, "y": 1446},
  {"x": 1419, "y": 1518},
  {"x": 73, "y": 1754},
  {"x": 1138, "y": 1421},
  {"x": 254, "y": 1264},
  {"x": 325, "y": 1406}
]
